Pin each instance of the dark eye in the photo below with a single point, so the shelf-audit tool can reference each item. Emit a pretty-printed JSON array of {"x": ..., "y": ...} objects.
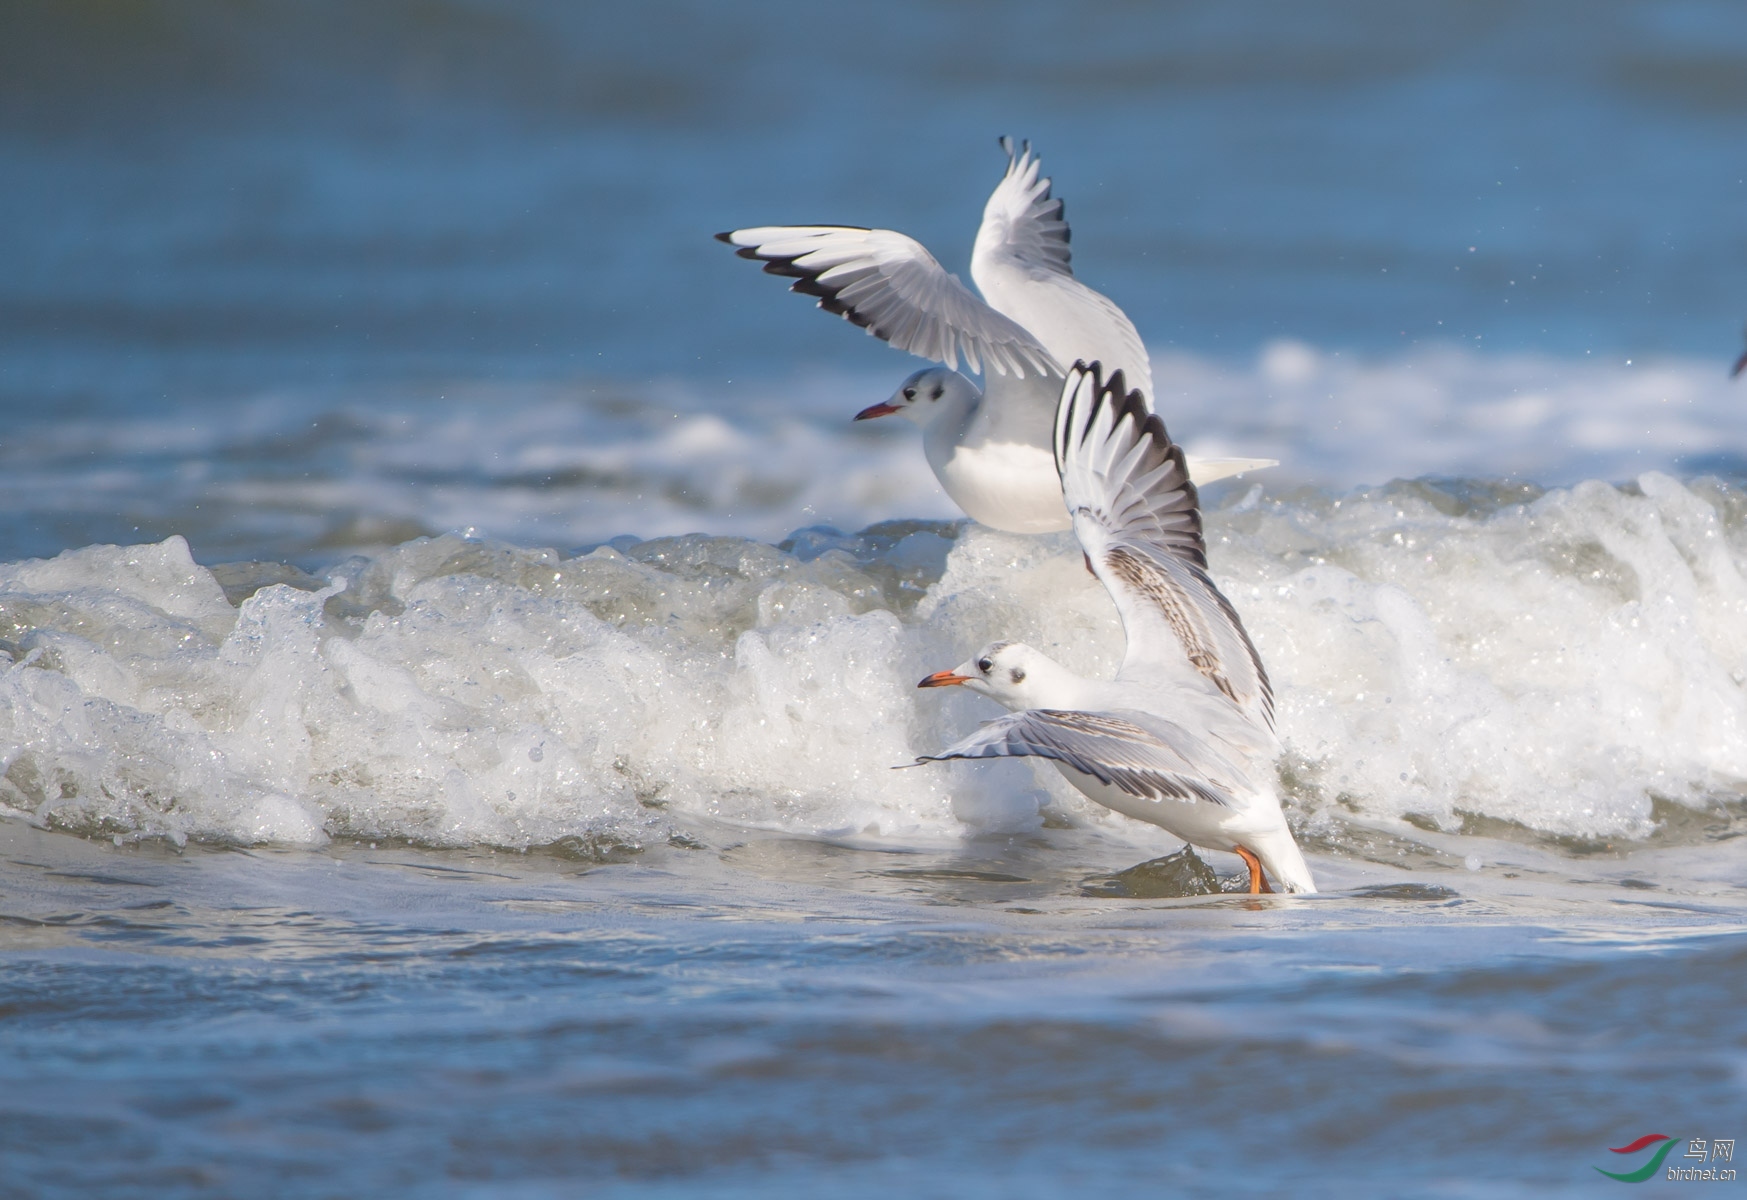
[
  {"x": 938, "y": 392},
  {"x": 985, "y": 666},
  {"x": 1017, "y": 675},
  {"x": 909, "y": 393}
]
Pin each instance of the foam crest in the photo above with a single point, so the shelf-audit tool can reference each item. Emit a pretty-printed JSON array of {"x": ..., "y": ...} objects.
[
  {"x": 1475, "y": 658},
  {"x": 457, "y": 692},
  {"x": 1556, "y": 663}
]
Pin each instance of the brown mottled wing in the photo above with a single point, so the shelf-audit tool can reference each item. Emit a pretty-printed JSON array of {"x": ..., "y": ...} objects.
[
  {"x": 1138, "y": 519},
  {"x": 892, "y": 287}
]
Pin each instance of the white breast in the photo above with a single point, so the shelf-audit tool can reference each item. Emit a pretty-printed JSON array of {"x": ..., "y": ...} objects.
[{"x": 1005, "y": 485}]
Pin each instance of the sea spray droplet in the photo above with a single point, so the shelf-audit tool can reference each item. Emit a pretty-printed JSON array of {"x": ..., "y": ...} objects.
[
  {"x": 535, "y": 753},
  {"x": 1472, "y": 862}
]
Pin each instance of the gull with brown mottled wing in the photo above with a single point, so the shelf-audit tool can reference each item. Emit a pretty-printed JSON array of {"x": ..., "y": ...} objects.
[{"x": 1183, "y": 737}]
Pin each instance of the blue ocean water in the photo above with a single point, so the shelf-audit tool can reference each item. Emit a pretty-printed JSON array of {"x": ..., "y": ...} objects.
[
  {"x": 481, "y": 860},
  {"x": 209, "y": 200},
  {"x": 798, "y": 1019}
]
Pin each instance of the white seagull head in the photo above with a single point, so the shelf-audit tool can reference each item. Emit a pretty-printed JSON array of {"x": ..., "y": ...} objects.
[
  {"x": 927, "y": 396},
  {"x": 1012, "y": 674}
]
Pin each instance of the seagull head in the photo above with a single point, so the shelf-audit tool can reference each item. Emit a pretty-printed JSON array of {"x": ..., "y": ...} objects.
[
  {"x": 1012, "y": 674},
  {"x": 925, "y": 396}
]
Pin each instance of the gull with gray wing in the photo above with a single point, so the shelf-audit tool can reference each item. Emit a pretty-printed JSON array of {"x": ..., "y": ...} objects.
[
  {"x": 988, "y": 446},
  {"x": 1183, "y": 737}
]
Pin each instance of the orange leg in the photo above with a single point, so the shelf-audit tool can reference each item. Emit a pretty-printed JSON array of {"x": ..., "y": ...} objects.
[{"x": 1258, "y": 881}]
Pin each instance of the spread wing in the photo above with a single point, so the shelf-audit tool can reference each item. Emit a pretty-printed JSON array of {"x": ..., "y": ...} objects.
[
  {"x": 1140, "y": 754},
  {"x": 1021, "y": 265},
  {"x": 1138, "y": 520},
  {"x": 1021, "y": 222},
  {"x": 892, "y": 287}
]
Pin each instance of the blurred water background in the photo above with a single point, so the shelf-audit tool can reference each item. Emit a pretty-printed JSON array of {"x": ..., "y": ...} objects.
[
  {"x": 477, "y": 861},
  {"x": 252, "y": 250}
]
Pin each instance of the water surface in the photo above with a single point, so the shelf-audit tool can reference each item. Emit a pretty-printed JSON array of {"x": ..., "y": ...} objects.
[{"x": 454, "y": 645}]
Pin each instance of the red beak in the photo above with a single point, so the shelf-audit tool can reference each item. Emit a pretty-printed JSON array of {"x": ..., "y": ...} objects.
[
  {"x": 876, "y": 410},
  {"x": 943, "y": 679}
]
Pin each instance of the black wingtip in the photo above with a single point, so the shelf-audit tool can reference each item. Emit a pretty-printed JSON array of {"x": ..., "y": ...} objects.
[
  {"x": 1115, "y": 387},
  {"x": 1095, "y": 369},
  {"x": 1740, "y": 365},
  {"x": 727, "y": 237},
  {"x": 1069, "y": 420},
  {"x": 1129, "y": 402}
]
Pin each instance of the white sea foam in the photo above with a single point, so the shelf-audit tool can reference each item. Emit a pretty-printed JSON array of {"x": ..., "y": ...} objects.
[
  {"x": 307, "y": 476},
  {"x": 1449, "y": 654},
  {"x": 1439, "y": 410}
]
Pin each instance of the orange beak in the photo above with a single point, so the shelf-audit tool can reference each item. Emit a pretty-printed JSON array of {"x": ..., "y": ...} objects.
[
  {"x": 943, "y": 679},
  {"x": 876, "y": 410}
]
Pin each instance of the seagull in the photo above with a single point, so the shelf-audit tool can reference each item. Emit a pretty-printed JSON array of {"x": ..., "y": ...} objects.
[
  {"x": 1184, "y": 735},
  {"x": 989, "y": 446}
]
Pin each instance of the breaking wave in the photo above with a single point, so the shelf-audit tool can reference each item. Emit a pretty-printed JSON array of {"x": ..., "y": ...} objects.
[{"x": 1466, "y": 657}]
